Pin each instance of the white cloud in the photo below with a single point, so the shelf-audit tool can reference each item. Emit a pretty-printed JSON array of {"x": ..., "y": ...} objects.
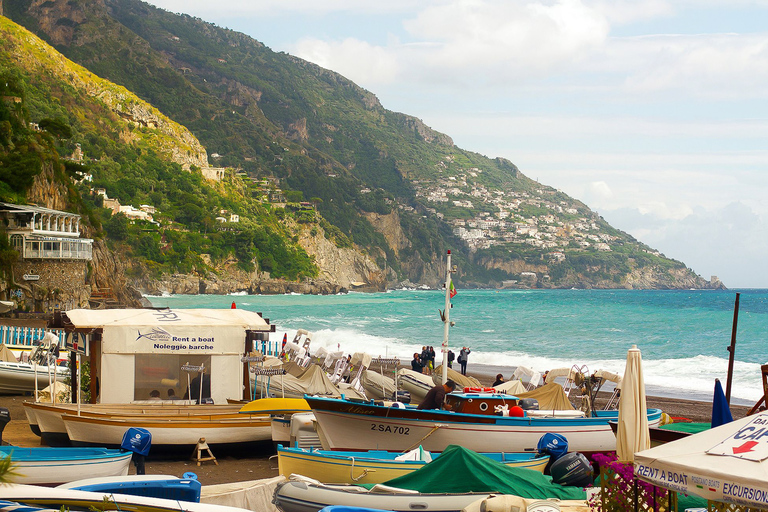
[
  {"x": 710, "y": 241},
  {"x": 351, "y": 58}
]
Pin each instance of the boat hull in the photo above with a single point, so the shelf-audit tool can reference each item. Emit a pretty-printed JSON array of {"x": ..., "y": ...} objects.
[
  {"x": 353, "y": 426},
  {"x": 298, "y": 496},
  {"x": 371, "y": 467},
  {"x": 18, "y": 378},
  {"x": 55, "y": 466},
  {"x": 108, "y": 431}
]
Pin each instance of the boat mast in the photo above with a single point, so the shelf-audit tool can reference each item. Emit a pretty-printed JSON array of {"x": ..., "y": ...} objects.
[{"x": 446, "y": 316}]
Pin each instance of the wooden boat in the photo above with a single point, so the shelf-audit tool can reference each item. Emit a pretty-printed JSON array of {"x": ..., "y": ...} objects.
[
  {"x": 374, "y": 467},
  {"x": 280, "y": 411},
  {"x": 451, "y": 482},
  {"x": 473, "y": 423},
  {"x": 18, "y": 378},
  {"x": 70, "y": 499},
  {"x": 53, "y": 466},
  {"x": 670, "y": 432},
  {"x": 109, "y": 430},
  {"x": 45, "y": 418}
]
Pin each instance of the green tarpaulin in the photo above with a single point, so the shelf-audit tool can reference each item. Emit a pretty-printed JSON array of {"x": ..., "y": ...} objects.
[
  {"x": 693, "y": 428},
  {"x": 458, "y": 470}
]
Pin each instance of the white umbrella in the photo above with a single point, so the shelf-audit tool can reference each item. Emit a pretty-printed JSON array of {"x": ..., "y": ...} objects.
[
  {"x": 632, "y": 433},
  {"x": 728, "y": 463}
]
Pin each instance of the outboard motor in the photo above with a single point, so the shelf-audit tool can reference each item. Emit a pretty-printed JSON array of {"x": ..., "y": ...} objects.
[
  {"x": 5, "y": 418},
  {"x": 528, "y": 404},
  {"x": 554, "y": 445},
  {"x": 573, "y": 469},
  {"x": 402, "y": 396},
  {"x": 138, "y": 441}
]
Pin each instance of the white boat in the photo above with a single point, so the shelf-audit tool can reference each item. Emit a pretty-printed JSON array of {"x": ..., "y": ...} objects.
[
  {"x": 54, "y": 466},
  {"x": 108, "y": 431},
  {"x": 70, "y": 499},
  {"x": 19, "y": 378},
  {"x": 417, "y": 384},
  {"x": 348, "y": 425},
  {"x": 305, "y": 495}
]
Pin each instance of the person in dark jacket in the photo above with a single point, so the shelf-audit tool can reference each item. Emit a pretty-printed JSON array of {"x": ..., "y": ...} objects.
[
  {"x": 435, "y": 398},
  {"x": 451, "y": 357},
  {"x": 416, "y": 364},
  {"x": 499, "y": 380}
]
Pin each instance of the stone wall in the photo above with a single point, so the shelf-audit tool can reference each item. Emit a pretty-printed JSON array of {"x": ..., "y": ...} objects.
[{"x": 62, "y": 285}]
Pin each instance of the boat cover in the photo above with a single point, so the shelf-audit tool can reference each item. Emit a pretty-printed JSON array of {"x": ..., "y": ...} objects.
[
  {"x": 460, "y": 470},
  {"x": 462, "y": 381},
  {"x": 377, "y": 385},
  {"x": 550, "y": 397},
  {"x": 511, "y": 387},
  {"x": 6, "y": 354}
]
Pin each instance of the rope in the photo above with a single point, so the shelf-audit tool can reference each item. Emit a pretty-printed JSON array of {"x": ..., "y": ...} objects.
[
  {"x": 362, "y": 475},
  {"x": 434, "y": 429}
]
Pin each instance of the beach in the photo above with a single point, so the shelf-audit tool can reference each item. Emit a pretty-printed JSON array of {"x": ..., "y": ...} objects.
[{"x": 252, "y": 461}]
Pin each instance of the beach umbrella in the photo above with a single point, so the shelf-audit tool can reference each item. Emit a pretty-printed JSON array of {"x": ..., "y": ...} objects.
[
  {"x": 632, "y": 433},
  {"x": 721, "y": 413},
  {"x": 728, "y": 463}
]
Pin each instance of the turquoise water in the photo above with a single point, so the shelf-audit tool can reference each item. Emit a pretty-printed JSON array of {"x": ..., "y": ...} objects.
[{"x": 683, "y": 335}]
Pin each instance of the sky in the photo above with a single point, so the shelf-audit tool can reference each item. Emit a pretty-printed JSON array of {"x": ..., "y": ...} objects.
[{"x": 652, "y": 112}]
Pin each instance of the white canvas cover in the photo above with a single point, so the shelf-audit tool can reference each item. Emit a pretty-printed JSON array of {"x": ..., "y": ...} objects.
[
  {"x": 313, "y": 382},
  {"x": 532, "y": 376},
  {"x": 249, "y": 495},
  {"x": 462, "y": 381},
  {"x": 550, "y": 396},
  {"x": 377, "y": 385},
  {"x": 728, "y": 463},
  {"x": 632, "y": 433},
  {"x": 170, "y": 331},
  {"x": 6, "y": 354},
  {"x": 511, "y": 387}
]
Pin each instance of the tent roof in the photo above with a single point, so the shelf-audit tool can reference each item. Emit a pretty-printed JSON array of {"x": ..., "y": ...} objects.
[
  {"x": 95, "y": 319},
  {"x": 459, "y": 470},
  {"x": 727, "y": 467}
]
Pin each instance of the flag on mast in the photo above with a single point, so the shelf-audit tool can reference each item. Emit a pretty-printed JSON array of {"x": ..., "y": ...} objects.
[{"x": 452, "y": 292}]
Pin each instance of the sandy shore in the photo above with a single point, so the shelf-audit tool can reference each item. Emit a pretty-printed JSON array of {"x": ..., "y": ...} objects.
[{"x": 253, "y": 461}]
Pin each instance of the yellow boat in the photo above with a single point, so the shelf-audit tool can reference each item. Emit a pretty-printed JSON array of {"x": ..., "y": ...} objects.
[
  {"x": 276, "y": 406},
  {"x": 375, "y": 466}
]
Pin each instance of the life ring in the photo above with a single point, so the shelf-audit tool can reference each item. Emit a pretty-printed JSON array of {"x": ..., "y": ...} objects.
[{"x": 479, "y": 390}]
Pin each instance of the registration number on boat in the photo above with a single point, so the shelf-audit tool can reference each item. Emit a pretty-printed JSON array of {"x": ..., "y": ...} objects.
[{"x": 378, "y": 427}]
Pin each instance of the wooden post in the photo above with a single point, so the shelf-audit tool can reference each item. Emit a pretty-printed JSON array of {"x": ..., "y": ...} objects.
[{"x": 732, "y": 350}]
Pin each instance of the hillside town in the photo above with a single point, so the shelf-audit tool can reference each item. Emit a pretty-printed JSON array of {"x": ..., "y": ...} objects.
[{"x": 485, "y": 217}]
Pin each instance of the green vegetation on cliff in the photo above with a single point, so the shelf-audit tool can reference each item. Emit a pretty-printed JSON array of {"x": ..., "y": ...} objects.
[{"x": 314, "y": 136}]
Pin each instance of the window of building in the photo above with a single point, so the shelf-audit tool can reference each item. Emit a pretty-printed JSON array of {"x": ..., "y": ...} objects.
[
  {"x": 17, "y": 242},
  {"x": 161, "y": 375}
]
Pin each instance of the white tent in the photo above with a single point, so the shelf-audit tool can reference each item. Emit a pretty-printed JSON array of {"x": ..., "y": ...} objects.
[
  {"x": 165, "y": 339},
  {"x": 728, "y": 463}
]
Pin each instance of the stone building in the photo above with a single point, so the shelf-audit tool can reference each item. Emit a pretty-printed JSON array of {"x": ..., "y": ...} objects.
[{"x": 53, "y": 260}]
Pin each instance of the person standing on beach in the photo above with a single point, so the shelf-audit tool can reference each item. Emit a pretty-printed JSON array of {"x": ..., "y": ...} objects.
[
  {"x": 416, "y": 364},
  {"x": 451, "y": 357},
  {"x": 463, "y": 355}
]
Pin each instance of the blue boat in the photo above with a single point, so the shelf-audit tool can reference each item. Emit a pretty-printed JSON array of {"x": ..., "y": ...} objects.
[{"x": 54, "y": 466}]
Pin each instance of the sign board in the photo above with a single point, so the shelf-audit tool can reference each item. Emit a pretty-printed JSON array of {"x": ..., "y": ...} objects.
[
  {"x": 750, "y": 442},
  {"x": 76, "y": 342}
]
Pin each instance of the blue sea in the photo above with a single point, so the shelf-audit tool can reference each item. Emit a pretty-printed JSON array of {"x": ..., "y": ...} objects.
[{"x": 683, "y": 335}]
